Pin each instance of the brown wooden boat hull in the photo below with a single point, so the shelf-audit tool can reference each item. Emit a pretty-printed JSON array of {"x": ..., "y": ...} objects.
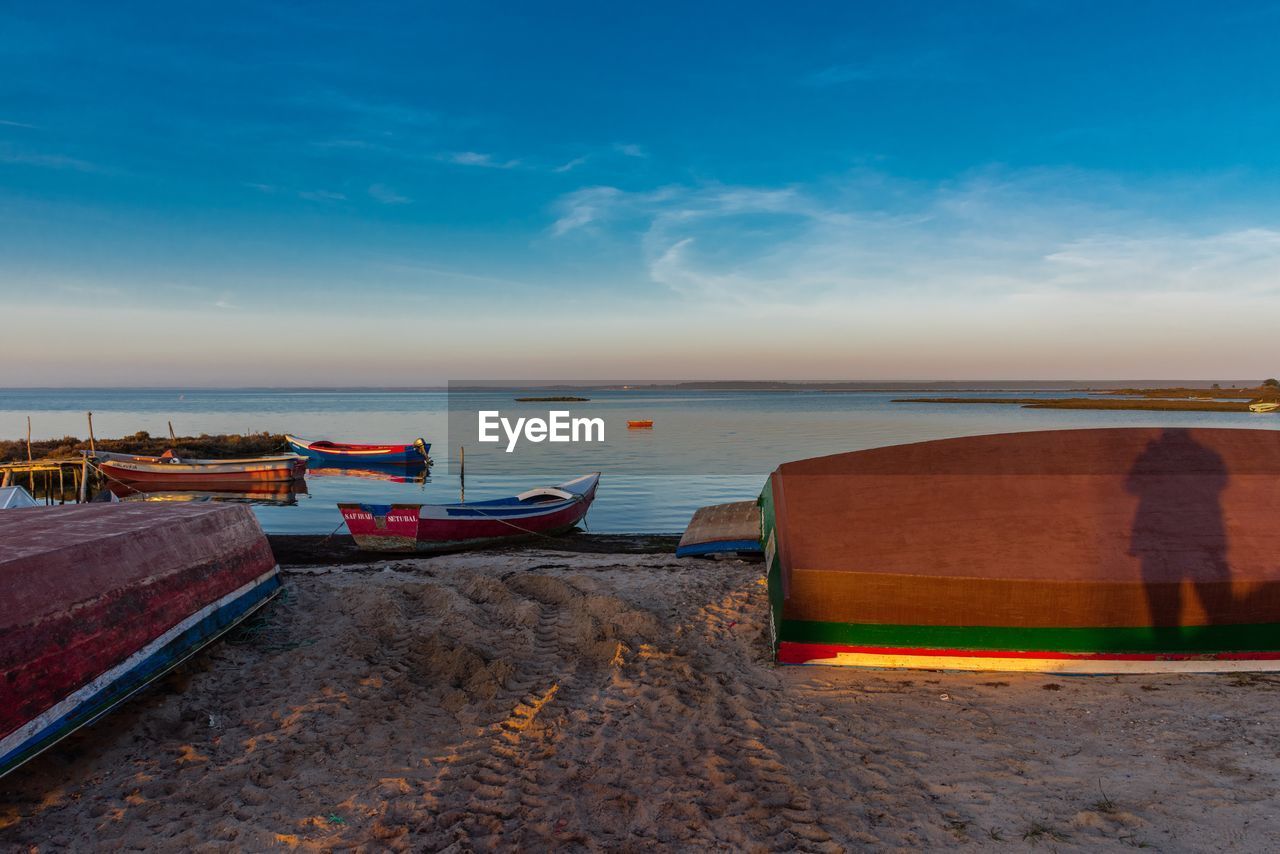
[
  {"x": 160, "y": 474},
  {"x": 1141, "y": 541}
]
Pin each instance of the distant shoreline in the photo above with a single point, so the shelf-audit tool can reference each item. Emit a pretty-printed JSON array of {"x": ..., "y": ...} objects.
[
  {"x": 1176, "y": 399},
  {"x": 973, "y": 385}
]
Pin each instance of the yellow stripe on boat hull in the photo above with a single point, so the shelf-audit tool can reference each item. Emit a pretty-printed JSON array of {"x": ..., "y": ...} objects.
[{"x": 1081, "y": 666}]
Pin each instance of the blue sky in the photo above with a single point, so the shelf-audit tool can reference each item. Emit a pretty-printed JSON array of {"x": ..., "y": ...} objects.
[{"x": 318, "y": 193}]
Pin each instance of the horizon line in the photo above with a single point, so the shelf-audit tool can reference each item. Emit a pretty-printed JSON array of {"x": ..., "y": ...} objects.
[{"x": 605, "y": 384}]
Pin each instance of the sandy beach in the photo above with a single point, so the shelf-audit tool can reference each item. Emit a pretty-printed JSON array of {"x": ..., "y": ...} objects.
[{"x": 525, "y": 700}]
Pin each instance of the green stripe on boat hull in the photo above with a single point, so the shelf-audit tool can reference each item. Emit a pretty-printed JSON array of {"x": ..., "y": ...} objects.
[{"x": 1137, "y": 639}]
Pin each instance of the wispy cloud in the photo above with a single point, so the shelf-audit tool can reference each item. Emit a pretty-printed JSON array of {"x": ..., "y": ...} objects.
[
  {"x": 305, "y": 195},
  {"x": 581, "y": 208},
  {"x": 1245, "y": 260},
  {"x": 601, "y": 205},
  {"x": 49, "y": 161},
  {"x": 476, "y": 158},
  {"x": 94, "y": 289},
  {"x": 989, "y": 236},
  {"x": 618, "y": 148},
  {"x": 407, "y": 149},
  {"x": 13, "y": 124},
  {"x": 571, "y": 165},
  {"x": 386, "y": 195}
]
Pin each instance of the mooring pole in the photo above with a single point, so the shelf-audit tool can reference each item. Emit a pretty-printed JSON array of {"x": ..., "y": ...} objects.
[
  {"x": 462, "y": 473},
  {"x": 31, "y": 475},
  {"x": 83, "y": 494},
  {"x": 172, "y": 437},
  {"x": 93, "y": 445}
]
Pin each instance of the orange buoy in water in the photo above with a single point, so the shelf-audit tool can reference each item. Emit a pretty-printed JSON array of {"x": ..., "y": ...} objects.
[{"x": 640, "y": 425}]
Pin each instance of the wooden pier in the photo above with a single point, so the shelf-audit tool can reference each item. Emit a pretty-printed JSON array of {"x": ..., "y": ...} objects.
[{"x": 48, "y": 479}]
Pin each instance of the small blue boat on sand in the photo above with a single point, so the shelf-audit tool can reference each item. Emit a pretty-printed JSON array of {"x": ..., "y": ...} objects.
[{"x": 413, "y": 453}]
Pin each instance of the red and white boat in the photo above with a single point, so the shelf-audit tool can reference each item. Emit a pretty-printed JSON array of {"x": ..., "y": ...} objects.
[
  {"x": 545, "y": 511},
  {"x": 176, "y": 471}
]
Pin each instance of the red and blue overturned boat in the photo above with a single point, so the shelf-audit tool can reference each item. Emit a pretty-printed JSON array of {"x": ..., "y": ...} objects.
[
  {"x": 545, "y": 511},
  {"x": 416, "y": 452},
  {"x": 100, "y": 600}
]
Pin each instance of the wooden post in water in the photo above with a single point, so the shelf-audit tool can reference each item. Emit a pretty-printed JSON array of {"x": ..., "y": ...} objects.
[
  {"x": 172, "y": 437},
  {"x": 31, "y": 475},
  {"x": 93, "y": 445},
  {"x": 462, "y": 474}
]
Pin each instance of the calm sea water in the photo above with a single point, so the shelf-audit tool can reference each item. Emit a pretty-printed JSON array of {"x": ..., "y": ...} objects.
[{"x": 705, "y": 448}]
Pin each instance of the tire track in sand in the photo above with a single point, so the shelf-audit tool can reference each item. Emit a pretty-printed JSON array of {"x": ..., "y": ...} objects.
[{"x": 489, "y": 793}]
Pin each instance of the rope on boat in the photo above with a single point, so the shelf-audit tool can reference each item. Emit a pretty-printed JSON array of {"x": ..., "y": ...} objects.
[
  {"x": 329, "y": 535},
  {"x": 577, "y": 499},
  {"x": 108, "y": 476}
]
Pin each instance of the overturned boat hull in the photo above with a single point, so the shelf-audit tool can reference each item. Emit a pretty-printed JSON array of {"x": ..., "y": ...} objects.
[
  {"x": 102, "y": 599},
  {"x": 1078, "y": 551},
  {"x": 722, "y": 530}
]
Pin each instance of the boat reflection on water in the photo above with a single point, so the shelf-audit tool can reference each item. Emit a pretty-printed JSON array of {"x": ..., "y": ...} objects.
[
  {"x": 395, "y": 473},
  {"x": 270, "y": 493},
  {"x": 278, "y": 494}
]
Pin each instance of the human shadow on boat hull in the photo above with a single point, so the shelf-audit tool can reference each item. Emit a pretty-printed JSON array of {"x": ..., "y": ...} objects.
[{"x": 1180, "y": 537}]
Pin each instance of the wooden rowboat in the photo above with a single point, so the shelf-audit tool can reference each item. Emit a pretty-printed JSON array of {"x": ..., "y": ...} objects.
[
  {"x": 175, "y": 471},
  {"x": 723, "y": 530},
  {"x": 103, "y": 599},
  {"x": 448, "y": 527},
  {"x": 1264, "y": 407},
  {"x": 415, "y": 452},
  {"x": 1135, "y": 550},
  {"x": 640, "y": 425}
]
